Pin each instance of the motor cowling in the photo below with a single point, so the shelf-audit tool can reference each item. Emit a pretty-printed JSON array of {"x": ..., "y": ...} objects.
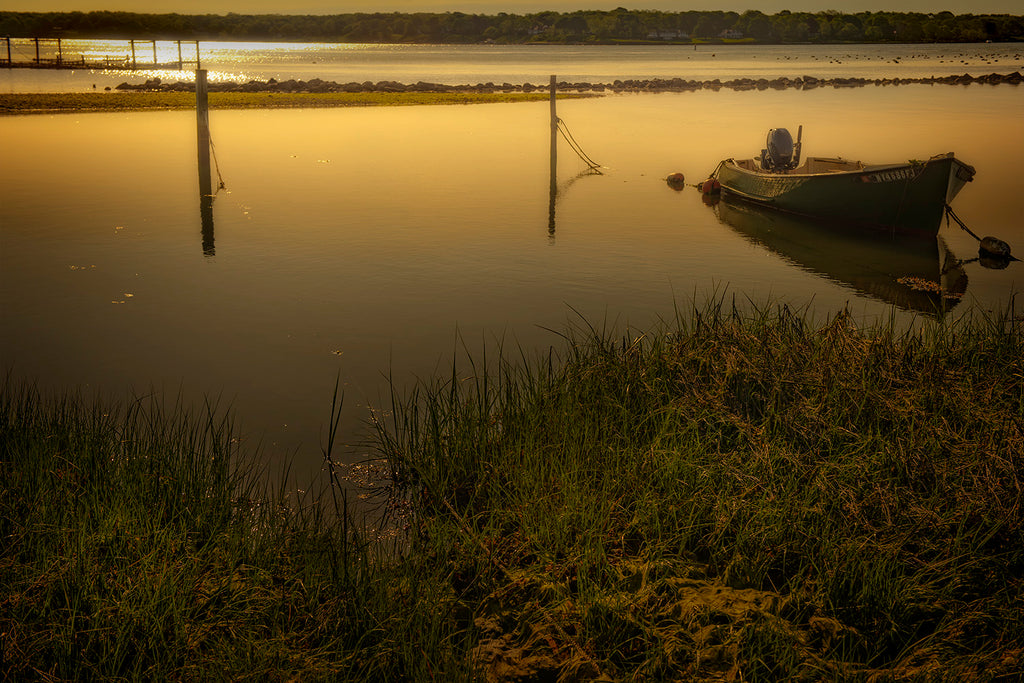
[{"x": 780, "y": 154}]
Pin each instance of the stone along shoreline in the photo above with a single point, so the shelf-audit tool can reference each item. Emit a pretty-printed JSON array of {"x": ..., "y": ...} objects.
[
  {"x": 155, "y": 94},
  {"x": 317, "y": 85}
]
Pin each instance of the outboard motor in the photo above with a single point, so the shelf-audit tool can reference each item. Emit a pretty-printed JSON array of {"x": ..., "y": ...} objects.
[{"x": 781, "y": 154}]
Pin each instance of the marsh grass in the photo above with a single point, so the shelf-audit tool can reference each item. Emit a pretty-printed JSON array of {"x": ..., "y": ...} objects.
[
  {"x": 742, "y": 494},
  {"x": 139, "y": 542}
]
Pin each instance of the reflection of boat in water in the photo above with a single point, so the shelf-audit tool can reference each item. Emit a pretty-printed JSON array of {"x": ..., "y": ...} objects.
[
  {"x": 903, "y": 197},
  {"x": 911, "y": 272}
]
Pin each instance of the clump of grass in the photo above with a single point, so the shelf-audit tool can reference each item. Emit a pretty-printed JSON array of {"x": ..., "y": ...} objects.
[
  {"x": 140, "y": 542},
  {"x": 742, "y": 493}
]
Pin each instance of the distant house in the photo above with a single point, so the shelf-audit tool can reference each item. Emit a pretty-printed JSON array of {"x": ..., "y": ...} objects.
[
  {"x": 668, "y": 34},
  {"x": 731, "y": 34}
]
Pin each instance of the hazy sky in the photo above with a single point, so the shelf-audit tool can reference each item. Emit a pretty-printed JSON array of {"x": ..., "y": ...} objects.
[{"x": 512, "y": 6}]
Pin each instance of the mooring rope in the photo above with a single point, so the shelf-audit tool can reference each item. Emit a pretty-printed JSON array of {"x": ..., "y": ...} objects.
[
  {"x": 990, "y": 245},
  {"x": 564, "y": 130},
  {"x": 951, "y": 214}
]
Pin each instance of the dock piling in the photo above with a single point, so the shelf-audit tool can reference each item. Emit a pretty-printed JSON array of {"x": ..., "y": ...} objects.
[
  {"x": 554, "y": 128},
  {"x": 32, "y": 55},
  {"x": 203, "y": 133},
  {"x": 553, "y": 190}
]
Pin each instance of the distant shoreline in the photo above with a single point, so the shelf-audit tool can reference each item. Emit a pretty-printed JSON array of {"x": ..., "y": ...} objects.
[
  {"x": 156, "y": 95},
  {"x": 546, "y": 27}
]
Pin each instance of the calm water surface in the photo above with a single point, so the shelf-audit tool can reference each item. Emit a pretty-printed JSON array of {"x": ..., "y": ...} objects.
[
  {"x": 470, "y": 64},
  {"x": 368, "y": 241}
]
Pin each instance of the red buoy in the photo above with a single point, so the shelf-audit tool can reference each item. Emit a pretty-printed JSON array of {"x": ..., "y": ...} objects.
[
  {"x": 711, "y": 186},
  {"x": 676, "y": 181}
]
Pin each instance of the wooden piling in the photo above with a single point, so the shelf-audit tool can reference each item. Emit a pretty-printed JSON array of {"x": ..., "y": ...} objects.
[
  {"x": 55, "y": 59},
  {"x": 553, "y": 190},
  {"x": 554, "y": 128},
  {"x": 203, "y": 133}
]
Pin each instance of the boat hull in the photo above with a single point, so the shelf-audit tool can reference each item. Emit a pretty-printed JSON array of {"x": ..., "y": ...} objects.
[{"x": 908, "y": 198}]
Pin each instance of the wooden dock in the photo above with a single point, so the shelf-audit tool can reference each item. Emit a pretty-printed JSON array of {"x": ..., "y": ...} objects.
[{"x": 49, "y": 53}]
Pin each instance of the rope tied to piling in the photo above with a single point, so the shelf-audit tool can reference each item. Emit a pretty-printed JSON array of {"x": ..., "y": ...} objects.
[{"x": 564, "y": 130}]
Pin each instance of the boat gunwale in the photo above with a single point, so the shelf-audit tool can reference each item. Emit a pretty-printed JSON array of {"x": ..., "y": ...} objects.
[{"x": 864, "y": 168}]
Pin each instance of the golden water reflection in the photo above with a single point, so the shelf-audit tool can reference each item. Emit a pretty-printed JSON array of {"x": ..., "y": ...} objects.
[{"x": 368, "y": 241}]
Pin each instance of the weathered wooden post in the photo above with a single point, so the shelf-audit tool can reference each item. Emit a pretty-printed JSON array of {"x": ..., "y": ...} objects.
[
  {"x": 554, "y": 130},
  {"x": 553, "y": 193},
  {"x": 133, "y": 53},
  {"x": 179, "y": 56},
  {"x": 155, "y": 62},
  {"x": 203, "y": 132},
  {"x": 60, "y": 54},
  {"x": 205, "y": 177},
  {"x": 37, "y": 50}
]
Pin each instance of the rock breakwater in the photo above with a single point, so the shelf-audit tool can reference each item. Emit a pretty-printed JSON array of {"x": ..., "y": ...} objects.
[{"x": 316, "y": 85}]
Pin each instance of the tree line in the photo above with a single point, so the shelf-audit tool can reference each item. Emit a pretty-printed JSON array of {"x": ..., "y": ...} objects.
[{"x": 619, "y": 25}]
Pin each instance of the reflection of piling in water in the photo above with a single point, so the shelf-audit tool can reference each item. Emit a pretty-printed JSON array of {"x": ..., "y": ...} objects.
[
  {"x": 552, "y": 196},
  {"x": 206, "y": 214},
  {"x": 205, "y": 176}
]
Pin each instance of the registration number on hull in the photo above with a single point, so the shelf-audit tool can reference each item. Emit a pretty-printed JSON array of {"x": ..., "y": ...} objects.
[{"x": 905, "y": 173}]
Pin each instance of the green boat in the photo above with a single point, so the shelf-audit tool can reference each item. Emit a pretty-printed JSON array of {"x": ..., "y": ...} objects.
[{"x": 909, "y": 197}]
